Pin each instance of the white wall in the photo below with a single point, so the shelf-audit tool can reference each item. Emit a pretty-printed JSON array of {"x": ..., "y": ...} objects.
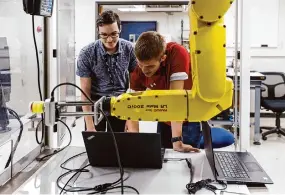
[
  {"x": 166, "y": 23},
  {"x": 84, "y": 27}
]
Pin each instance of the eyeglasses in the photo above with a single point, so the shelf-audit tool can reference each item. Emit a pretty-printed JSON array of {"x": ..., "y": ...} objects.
[{"x": 112, "y": 35}]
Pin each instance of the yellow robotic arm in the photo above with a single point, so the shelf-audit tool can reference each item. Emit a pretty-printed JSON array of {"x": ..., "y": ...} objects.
[{"x": 211, "y": 93}]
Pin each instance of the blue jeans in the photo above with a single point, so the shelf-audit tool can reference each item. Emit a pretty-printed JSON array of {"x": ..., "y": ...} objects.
[{"x": 191, "y": 134}]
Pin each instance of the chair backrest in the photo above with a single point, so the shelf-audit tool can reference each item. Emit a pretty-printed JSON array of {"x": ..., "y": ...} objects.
[{"x": 274, "y": 86}]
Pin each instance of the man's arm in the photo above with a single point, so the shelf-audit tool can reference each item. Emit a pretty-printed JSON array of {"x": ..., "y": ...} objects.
[
  {"x": 177, "y": 126},
  {"x": 133, "y": 126},
  {"x": 86, "y": 87},
  {"x": 137, "y": 80},
  {"x": 179, "y": 73},
  {"x": 84, "y": 72},
  {"x": 133, "y": 61}
]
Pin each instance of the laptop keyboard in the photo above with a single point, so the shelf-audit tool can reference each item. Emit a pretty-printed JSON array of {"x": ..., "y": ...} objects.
[{"x": 231, "y": 166}]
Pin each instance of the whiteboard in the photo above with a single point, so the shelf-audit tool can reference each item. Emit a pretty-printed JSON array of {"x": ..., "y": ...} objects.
[{"x": 264, "y": 23}]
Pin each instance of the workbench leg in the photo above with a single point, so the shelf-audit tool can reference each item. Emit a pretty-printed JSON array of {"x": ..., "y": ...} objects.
[{"x": 257, "y": 116}]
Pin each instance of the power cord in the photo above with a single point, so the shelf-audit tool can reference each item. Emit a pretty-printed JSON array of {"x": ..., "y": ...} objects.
[
  {"x": 107, "y": 186},
  {"x": 71, "y": 84},
  {"x": 37, "y": 130},
  {"x": 77, "y": 155},
  {"x": 15, "y": 114},
  {"x": 39, "y": 84},
  {"x": 194, "y": 187},
  {"x": 57, "y": 151},
  {"x": 101, "y": 188},
  {"x": 189, "y": 164},
  {"x": 52, "y": 99},
  {"x": 117, "y": 151}
]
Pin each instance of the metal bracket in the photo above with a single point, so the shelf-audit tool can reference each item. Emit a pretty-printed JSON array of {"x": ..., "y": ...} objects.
[
  {"x": 33, "y": 126},
  {"x": 98, "y": 116}
]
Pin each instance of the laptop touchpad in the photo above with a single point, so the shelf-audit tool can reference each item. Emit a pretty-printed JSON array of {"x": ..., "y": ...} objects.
[{"x": 252, "y": 166}]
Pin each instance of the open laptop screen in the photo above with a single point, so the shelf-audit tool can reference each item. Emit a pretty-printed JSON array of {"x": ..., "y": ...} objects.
[{"x": 208, "y": 146}]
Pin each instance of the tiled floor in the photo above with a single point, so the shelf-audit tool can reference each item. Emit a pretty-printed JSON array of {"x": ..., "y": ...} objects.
[{"x": 270, "y": 154}]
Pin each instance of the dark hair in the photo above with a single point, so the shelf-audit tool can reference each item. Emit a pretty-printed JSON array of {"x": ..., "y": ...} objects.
[
  {"x": 108, "y": 17},
  {"x": 150, "y": 45}
]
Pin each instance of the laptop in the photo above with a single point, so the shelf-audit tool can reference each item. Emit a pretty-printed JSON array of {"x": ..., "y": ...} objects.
[
  {"x": 233, "y": 167},
  {"x": 137, "y": 150}
]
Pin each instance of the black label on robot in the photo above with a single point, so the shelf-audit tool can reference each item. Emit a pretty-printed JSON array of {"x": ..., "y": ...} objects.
[
  {"x": 151, "y": 106},
  {"x": 135, "y": 106},
  {"x": 156, "y": 108}
]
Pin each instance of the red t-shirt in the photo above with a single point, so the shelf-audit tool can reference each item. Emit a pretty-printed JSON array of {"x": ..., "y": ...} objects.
[{"x": 176, "y": 66}]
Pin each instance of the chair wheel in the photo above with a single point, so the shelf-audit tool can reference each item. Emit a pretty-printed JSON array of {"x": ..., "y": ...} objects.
[{"x": 264, "y": 138}]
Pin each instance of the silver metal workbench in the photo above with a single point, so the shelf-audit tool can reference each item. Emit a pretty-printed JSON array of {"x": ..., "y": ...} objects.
[{"x": 171, "y": 179}]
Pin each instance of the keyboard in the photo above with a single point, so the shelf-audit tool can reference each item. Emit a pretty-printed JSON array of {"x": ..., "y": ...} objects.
[{"x": 231, "y": 166}]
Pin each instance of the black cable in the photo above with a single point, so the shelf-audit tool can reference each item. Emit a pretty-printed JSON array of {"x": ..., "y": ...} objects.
[
  {"x": 194, "y": 187},
  {"x": 57, "y": 151},
  {"x": 116, "y": 187},
  {"x": 104, "y": 186},
  {"x": 191, "y": 168},
  {"x": 52, "y": 98},
  {"x": 37, "y": 129},
  {"x": 37, "y": 56},
  {"x": 12, "y": 112},
  {"x": 69, "y": 159},
  {"x": 117, "y": 151},
  {"x": 76, "y": 172},
  {"x": 189, "y": 164},
  {"x": 101, "y": 188},
  {"x": 98, "y": 188},
  {"x": 39, "y": 81},
  {"x": 71, "y": 84}
]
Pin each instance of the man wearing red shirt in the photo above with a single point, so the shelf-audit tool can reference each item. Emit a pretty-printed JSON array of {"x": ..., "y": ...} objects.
[{"x": 163, "y": 66}]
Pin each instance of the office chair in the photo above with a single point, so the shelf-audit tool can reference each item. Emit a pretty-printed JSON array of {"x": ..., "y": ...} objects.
[{"x": 273, "y": 98}]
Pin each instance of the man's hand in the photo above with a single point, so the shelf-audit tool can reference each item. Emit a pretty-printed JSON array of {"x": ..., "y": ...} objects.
[
  {"x": 132, "y": 126},
  {"x": 92, "y": 129},
  {"x": 180, "y": 147},
  {"x": 90, "y": 125}
]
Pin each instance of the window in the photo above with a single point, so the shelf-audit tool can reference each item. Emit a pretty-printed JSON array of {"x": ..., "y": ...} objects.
[{"x": 18, "y": 65}]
